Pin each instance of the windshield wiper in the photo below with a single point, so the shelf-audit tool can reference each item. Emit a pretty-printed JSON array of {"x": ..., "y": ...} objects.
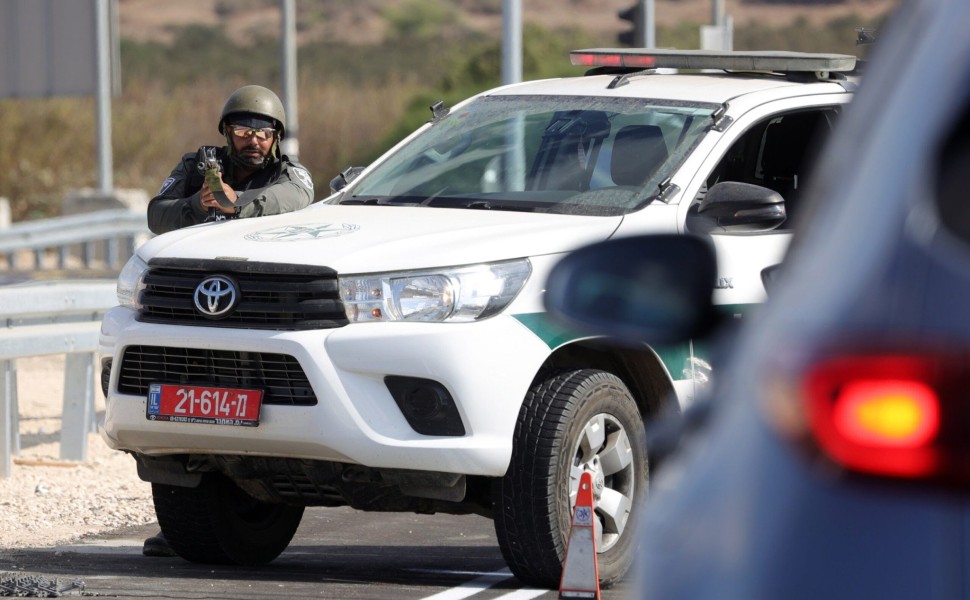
[
  {"x": 479, "y": 204},
  {"x": 359, "y": 201},
  {"x": 383, "y": 200},
  {"x": 441, "y": 202}
]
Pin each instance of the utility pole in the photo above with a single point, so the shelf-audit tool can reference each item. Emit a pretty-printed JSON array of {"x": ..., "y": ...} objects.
[
  {"x": 103, "y": 96},
  {"x": 649, "y": 25},
  {"x": 514, "y": 168},
  {"x": 291, "y": 143},
  {"x": 719, "y": 35},
  {"x": 511, "y": 41}
]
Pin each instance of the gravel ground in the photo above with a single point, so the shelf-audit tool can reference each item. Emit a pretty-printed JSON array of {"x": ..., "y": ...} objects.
[{"x": 48, "y": 501}]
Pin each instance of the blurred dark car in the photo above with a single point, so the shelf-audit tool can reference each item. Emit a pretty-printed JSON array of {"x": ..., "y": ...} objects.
[{"x": 834, "y": 459}]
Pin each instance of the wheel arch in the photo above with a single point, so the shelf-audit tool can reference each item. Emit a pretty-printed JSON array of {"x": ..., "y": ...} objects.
[{"x": 642, "y": 370}]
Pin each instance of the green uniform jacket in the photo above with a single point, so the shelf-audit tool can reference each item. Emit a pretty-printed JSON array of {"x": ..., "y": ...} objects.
[{"x": 283, "y": 186}]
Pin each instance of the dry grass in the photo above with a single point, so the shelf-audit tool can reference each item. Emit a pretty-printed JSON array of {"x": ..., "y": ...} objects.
[{"x": 47, "y": 146}]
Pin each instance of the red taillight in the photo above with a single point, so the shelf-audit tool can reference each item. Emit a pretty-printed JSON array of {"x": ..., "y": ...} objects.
[
  {"x": 885, "y": 414},
  {"x": 890, "y": 413}
]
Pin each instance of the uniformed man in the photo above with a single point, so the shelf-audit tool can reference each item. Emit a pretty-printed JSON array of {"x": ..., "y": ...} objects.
[{"x": 256, "y": 179}]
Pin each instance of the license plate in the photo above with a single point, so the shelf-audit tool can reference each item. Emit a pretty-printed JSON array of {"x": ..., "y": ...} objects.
[{"x": 203, "y": 404}]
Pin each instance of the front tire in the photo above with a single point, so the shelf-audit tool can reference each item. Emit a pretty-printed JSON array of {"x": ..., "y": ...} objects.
[
  {"x": 218, "y": 523},
  {"x": 572, "y": 421}
]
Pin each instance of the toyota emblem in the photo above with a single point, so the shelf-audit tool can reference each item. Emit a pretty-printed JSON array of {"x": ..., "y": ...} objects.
[{"x": 215, "y": 296}]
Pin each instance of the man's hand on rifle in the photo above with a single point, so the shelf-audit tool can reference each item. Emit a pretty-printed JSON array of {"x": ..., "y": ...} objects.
[{"x": 208, "y": 199}]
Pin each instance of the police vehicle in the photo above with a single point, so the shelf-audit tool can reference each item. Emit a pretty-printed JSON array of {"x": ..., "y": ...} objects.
[{"x": 387, "y": 348}]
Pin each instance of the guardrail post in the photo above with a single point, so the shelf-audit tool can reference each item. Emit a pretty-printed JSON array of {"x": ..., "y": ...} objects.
[
  {"x": 5, "y": 219},
  {"x": 9, "y": 417},
  {"x": 111, "y": 252},
  {"x": 87, "y": 254},
  {"x": 78, "y": 412}
]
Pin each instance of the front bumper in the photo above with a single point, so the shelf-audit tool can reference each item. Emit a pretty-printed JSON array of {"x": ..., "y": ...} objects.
[{"x": 486, "y": 367}]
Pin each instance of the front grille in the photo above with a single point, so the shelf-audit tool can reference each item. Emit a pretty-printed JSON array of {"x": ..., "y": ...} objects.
[
  {"x": 271, "y": 296},
  {"x": 280, "y": 376}
]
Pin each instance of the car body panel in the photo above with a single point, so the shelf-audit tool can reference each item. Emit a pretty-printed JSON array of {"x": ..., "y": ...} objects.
[{"x": 749, "y": 508}]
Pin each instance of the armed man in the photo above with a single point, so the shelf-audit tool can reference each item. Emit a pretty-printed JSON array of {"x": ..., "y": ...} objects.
[{"x": 248, "y": 177}]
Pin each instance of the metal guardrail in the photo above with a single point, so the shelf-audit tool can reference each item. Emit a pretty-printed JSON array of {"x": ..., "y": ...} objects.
[
  {"x": 46, "y": 318},
  {"x": 116, "y": 233},
  {"x": 60, "y": 317}
]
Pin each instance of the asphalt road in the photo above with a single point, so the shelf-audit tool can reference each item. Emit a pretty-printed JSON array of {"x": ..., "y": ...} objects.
[{"x": 337, "y": 553}]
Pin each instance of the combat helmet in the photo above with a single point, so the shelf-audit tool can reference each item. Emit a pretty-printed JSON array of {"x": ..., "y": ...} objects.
[{"x": 255, "y": 100}]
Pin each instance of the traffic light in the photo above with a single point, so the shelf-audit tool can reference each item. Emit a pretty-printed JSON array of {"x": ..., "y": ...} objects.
[{"x": 635, "y": 14}]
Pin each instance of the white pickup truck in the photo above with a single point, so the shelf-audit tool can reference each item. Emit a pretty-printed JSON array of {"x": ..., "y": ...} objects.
[{"x": 387, "y": 348}]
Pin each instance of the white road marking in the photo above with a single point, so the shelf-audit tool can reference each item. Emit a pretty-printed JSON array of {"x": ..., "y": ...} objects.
[
  {"x": 482, "y": 583},
  {"x": 470, "y": 588},
  {"x": 524, "y": 594}
]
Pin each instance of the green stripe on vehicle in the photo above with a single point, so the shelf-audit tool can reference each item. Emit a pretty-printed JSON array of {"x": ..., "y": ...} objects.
[
  {"x": 675, "y": 357},
  {"x": 547, "y": 330},
  {"x": 554, "y": 334}
]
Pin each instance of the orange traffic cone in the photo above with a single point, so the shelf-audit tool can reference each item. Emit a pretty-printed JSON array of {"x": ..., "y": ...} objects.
[{"x": 580, "y": 573}]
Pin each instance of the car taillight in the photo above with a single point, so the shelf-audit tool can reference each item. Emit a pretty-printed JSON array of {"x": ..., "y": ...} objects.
[{"x": 896, "y": 415}]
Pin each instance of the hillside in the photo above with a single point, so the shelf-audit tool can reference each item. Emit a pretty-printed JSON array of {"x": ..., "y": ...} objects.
[
  {"x": 363, "y": 21},
  {"x": 369, "y": 69}
]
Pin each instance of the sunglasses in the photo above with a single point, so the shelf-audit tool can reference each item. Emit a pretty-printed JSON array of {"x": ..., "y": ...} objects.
[{"x": 242, "y": 131}]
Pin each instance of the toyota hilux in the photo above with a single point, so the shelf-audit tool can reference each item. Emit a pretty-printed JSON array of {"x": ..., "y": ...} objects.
[{"x": 387, "y": 347}]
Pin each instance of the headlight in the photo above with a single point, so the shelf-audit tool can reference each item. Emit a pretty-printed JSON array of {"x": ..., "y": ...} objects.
[
  {"x": 131, "y": 282},
  {"x": 459, "y": 294}
]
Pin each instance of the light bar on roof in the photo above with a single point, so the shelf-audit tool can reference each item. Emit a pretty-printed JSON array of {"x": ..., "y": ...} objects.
[{"x": 652, "y": 58}]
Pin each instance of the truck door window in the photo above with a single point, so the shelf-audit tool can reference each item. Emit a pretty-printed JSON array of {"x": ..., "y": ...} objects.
[{"x": 778, "y": 153}]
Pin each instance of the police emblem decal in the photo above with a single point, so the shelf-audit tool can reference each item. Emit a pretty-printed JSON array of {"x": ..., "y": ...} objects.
[{"x": 297, "y": 233}]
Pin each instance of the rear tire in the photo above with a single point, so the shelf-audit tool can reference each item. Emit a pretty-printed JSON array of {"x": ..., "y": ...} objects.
[
  {"x": 218, "y": 523},
  {"x": 572, "y": 421}
]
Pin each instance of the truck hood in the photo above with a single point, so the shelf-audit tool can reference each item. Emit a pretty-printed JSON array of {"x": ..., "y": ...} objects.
[{"x": 363, "y": 239}]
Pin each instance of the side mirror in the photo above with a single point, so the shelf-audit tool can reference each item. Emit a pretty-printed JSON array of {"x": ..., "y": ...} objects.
[
  {"x": 653, "y": 289},
  {"x": 345, "y": 177},
  {"x": 739, "y": 208}
]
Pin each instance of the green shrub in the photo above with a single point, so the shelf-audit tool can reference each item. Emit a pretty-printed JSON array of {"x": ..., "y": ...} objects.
[{"x": 420, "y": 18}]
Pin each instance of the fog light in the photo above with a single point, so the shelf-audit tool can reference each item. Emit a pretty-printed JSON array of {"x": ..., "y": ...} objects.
[{"x": 426, "y": 404}]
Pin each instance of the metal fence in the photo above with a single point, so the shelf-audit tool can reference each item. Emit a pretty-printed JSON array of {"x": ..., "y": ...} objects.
[
  {"x": 86, "y": 241},
  {"x": 46, "y": 318},
  {"x": 51, "y": 317}
]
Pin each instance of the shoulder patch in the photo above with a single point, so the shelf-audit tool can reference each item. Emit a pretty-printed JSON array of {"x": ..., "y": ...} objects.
[
  {"x": 304, "y": 176},
  {"x": 165, "y": 185}
]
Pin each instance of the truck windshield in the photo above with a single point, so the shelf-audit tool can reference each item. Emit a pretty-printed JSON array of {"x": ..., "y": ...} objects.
[{"x": 565, "y": 154}]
